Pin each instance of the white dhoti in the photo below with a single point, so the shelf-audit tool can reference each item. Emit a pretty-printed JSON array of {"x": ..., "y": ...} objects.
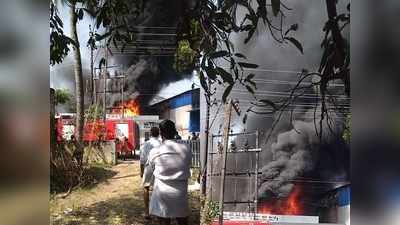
[
  {"x": 169, "y": 199},
  {"x": 169, "y": 166}
]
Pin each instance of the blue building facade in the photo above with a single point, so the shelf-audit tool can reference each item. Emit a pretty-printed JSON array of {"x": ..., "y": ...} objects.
[{"x": 183, "y": 109}]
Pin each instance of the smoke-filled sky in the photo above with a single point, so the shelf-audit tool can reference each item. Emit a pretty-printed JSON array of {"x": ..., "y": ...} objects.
[
  {"x": 61, "y": 75},
  {"x": 294, "y": 149}
]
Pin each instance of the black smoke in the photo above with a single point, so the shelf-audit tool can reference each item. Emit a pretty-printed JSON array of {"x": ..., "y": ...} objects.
[{"x": 147, "y": 74}]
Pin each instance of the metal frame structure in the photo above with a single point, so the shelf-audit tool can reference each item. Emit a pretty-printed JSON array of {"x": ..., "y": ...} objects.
[
  {"x": 102, "y": 76},
  {"x": 252, "y": 201}
]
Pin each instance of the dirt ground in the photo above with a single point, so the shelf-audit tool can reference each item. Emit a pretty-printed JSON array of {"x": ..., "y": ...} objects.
[{"x": 117, "y": 198}]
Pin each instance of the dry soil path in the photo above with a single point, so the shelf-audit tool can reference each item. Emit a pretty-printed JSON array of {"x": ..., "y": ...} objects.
[{"x": 115, "y": 200}]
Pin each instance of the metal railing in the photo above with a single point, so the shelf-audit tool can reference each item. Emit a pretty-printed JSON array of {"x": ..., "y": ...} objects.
[{"x": 194, "y": 146}]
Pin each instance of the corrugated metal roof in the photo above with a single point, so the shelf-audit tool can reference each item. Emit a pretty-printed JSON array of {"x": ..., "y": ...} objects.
[{"x": 176, "y": 96}]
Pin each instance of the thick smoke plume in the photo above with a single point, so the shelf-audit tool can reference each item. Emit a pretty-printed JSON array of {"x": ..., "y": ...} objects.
[
  {"x": 294, "y": 151},
  {"x": 145, "y": 78},
  {"x": 292, "y": 156},
  {"x": 146, "y": 75}
]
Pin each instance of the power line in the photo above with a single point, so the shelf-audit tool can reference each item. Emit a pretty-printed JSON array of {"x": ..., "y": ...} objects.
[
  {"x": 156, "y": 34},
  {"x": 155, "y": 27},
  {"x": 270, "y": 70},
  {"x": 271, "y": 81},
  {"x": 272, "y": 94}
]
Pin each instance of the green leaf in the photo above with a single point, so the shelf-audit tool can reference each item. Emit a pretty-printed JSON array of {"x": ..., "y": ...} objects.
[
  {"x": 227, "y": 92},
  {"x": 247, "y": 27},
  {"x": 218, "y": 54},
  {"x": 250, "y": 76},
  {"x": 293, "y": 27},
  {"x": 239, "y": 55},
  {"x": 244, "y": 118},
  {"x": 227, "y": 77},
  {"x": 59, "y": 21},
  {"x": 249, "y": 35},
  {"x": 102, "y": 62},
  {"x": 276, "y": 6},
  {"x": 203, "y": 63},
  {"x": 203, "y": 82},
  {"x": 250, "y": 89},
  {"x": 247, "y": 65},
  {"x": 211, "y": 73},
  {"x": 252, "y": 83},
  {"x": 229, "y": 45},
  {"x": 90, "y": 12},
  {"x": 269, "y": 102},
  {"x": 295, "y": 43}
]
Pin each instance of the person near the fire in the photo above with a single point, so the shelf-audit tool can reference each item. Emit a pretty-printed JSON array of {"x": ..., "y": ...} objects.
[
  {"x": 129, "y": 147},
  {"x": 194, "y": 136},
  {"x": 118, "y": 147},
  {"x": 123, "y": 148},
  {"x": 126, "y": 147},
  {"x": 169, "y": 164},
  {"x": 150, "y": 144}
]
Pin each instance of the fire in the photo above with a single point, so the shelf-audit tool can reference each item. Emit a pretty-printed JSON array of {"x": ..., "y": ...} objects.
[
  {"x": 284, "y": 206},
  {"x": 131, "y": 108}
]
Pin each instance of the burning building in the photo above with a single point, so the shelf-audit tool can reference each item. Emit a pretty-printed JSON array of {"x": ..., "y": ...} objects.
[
  {"x": 298, "y": 173},
  {"x": 183, "y": 109},
  {"x": 295, "y": 173}
]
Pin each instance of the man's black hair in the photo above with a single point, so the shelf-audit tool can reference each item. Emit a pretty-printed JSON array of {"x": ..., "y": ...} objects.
[
  {"x": 167, "y": 129},
  {"x": 155, "y": 132}
]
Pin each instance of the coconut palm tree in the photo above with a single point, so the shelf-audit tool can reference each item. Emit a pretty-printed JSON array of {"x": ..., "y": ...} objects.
[
  {"x": 79, "y": 93},
  {"x": 111, "y": 15}
]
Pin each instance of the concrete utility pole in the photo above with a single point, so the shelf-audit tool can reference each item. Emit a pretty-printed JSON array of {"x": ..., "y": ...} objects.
[{"x": 227, "y": 124}]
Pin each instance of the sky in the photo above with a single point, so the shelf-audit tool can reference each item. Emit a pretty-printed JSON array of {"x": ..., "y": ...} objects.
[{"x": 61, "y": 75}]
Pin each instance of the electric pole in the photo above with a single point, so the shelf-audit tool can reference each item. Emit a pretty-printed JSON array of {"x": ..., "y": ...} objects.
[{"x": 227, "y": 124}]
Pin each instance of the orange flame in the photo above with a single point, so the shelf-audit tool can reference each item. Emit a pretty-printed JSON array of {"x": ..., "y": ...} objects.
[
  {"x": 286, "y": 206},
  {"x": 131, "y": 108}
]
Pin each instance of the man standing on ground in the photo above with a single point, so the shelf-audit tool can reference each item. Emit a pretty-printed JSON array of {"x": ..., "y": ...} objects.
[
  {"x": 152, "y": 143},
  {"x": 170, "y": 166}
]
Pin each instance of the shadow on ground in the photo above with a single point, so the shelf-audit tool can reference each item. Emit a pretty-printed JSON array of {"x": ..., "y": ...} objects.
[
  {"x": 124, "y": 210},
  {"x": 96, "y": 175}
]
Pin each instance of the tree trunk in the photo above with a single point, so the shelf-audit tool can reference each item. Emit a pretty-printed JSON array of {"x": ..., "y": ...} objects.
[
  {"x": 336, "y": 35},
  {"x": 78, "y": 76},
  {"x": 53, "y": 134}
]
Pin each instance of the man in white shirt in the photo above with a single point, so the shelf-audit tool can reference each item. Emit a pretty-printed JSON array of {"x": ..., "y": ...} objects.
[
  {"x": 169, "y": 164},
  {"x": 152, "y": 143}
]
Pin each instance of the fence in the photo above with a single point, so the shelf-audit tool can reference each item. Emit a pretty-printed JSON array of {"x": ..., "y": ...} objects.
[
  {"x": 194, "y": 146},
  {"x": 241, "y": 173}
]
